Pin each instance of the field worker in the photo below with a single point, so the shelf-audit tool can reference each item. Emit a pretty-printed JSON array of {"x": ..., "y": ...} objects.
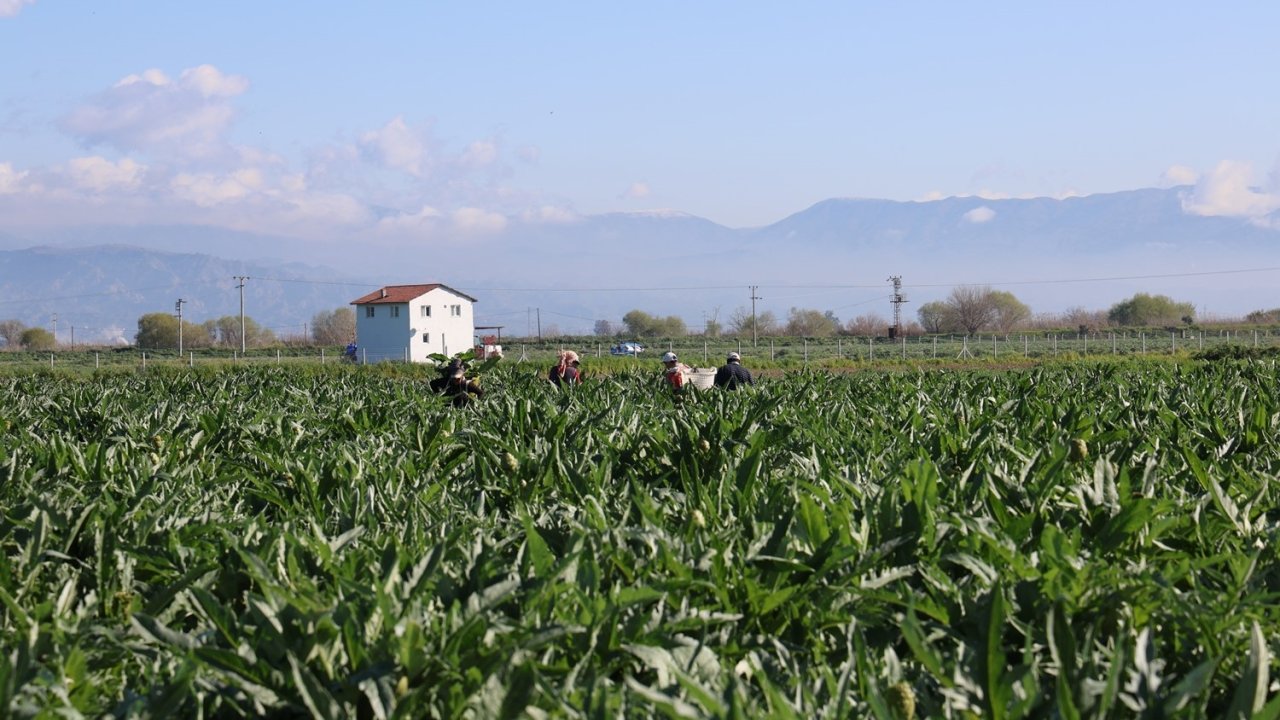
[
  {"x": 453, "y": 384},
  {"x": 676, "y": 372},
  {"x": 732, "y": 374},
  {"x": 565, "y": 371}
]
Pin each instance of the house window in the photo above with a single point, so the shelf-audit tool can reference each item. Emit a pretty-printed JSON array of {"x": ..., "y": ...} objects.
[
  {"x": 368, "y": 310},
  {"x": 425, "y": 311},
  {"x": 455, "y": 310},
  {"x": 395, "y": 311},
  {"x": 426, "y": 337}
]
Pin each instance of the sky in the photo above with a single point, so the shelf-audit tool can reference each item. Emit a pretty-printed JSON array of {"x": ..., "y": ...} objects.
[{"x": 327, "y": 120}]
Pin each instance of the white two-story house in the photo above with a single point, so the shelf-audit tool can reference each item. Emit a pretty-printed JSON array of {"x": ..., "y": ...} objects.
[{"x": 409, "y": 322}]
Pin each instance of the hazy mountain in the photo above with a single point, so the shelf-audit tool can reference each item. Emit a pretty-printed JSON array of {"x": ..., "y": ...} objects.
[
  {"x": 102, "y": 290},
  {"x": 836, "y": 255}
]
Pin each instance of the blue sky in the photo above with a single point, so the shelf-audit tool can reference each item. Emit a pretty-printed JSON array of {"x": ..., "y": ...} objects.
[{"x": 327, "y": 119}]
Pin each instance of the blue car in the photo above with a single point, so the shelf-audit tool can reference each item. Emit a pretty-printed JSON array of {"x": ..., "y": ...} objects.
[{"x": 626, "y": 348}]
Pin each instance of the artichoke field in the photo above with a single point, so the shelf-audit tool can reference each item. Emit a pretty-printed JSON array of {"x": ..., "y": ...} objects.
[{"x": 1079, "y": 540}]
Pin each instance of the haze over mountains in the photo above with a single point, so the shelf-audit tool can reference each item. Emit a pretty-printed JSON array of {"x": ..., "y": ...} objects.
[{"x": 1089, "y": 251}]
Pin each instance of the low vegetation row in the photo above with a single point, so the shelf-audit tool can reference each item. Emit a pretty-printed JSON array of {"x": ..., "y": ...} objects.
[{"x": 1090, "y": 539}]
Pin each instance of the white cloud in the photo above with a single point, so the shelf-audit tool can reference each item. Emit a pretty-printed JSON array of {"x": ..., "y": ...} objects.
[
  {"x": 208, "y": 190},
  {"x": 480, "y": 153},
  {"x": 100, "y": 174},
  {"x": 636, "y": 191},
  {"x": 210, "y": 82},
  {"x": 10, "y": 8},
  {"x": 1178, "y": 175},
  {"x": 424, "y": 219},
  {"x": 477, "y": 220},
  {"x": 154, "y": 76},
  {"x": 980, "y": 215},
  {"x": 151, "y": 113},
  {"x": 10, "y": 179},
  {"x": 1228, "y": 191},
  {"x": 397, "y": 146}
]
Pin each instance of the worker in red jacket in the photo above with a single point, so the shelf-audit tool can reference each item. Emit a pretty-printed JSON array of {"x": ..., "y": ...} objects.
[{"x": 676, "y": 373}]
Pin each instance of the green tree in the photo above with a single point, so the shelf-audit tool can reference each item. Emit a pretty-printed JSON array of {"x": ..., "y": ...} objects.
[
  {"x": 1010, "y": 312},
  {"x": 810, "y": 323},
  {"x": 1144, "y": 309},
  {"x": 37, "y": 339},
  {"x": 642, "y": 324},
  {"x": 225, "y": 331},
  {"x": 157, "y": 330},
  {"x": 934, "y": 316},
  {"x": 335, "y": 327}
]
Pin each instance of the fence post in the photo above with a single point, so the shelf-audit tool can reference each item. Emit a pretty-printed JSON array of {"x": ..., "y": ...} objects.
[
  {"x": 191, "y": 359},
  {"x": 704, "y": 350},
  {"x": 1173, "y": 343},
  {"x": 50, "y": 359},
  {"x": 1144, "y": 342},
  {"x": 771, "y": 348},
  {"x": 144, "y": 361},
  {"x": 806, "y": 351},
  {"x": 871, "y": 349},
  {"x": 904, "y": 347},
  {"x": 95, "y": 360},
  {"x": 935, "y": 347}
]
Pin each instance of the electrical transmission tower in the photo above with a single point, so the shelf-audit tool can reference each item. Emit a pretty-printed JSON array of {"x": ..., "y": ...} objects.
[{"x": 898, "y": 299}]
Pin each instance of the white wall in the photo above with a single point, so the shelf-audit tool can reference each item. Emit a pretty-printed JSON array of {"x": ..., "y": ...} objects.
[
  {"x": 383, "y": 337},
  {"x": 446, "y": 333}
]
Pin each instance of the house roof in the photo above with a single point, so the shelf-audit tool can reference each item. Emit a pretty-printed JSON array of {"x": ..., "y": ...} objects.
[{"x": 404, "y": 293}]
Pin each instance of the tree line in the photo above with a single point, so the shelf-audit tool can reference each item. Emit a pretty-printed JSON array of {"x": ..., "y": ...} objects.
[
  {"x": 967, "y": 309},
  {"x": 161, "y": 330}
]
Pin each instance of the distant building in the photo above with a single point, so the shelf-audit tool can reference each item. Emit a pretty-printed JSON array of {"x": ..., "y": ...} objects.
[{"x": 410, "y": 322}]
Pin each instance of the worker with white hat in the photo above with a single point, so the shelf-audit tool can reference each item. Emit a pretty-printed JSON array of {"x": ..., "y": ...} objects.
[
  {"x": 732, "y": 374},
  {"x": 676, "y": 373}
]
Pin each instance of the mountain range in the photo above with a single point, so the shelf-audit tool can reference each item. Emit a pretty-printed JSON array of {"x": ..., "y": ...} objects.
[{"x": 836, "y": 255}]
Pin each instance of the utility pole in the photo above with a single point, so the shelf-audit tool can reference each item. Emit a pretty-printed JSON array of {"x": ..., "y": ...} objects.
[
  {"x": 178, "y": 306},
  {"x": 241, "y": 278},
  {"x": 898, "y": 299},
  {"x": 539, "y": 324},
  {"x": 754, "y": 298}
]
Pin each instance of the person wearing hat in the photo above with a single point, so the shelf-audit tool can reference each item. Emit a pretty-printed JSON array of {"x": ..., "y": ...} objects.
[
  {"x": 565, "y": 371},
  {"x": 732, "y": 374},
  {"x": 453, "y": 384},
  {"x": 676, "y": 372}
]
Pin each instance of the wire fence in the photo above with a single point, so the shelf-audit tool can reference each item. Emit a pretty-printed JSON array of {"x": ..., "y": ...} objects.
[
  {"x": 705, "y": 351},
  {"x": 990, "y": 345}
]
